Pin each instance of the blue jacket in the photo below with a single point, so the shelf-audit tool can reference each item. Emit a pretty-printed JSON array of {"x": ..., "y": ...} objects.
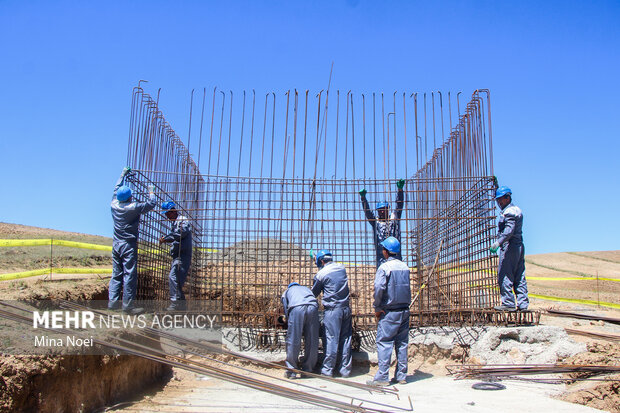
[
  {"x": 297, "y": 295},
  {"x": 180, "y": 237},
  {"x": 332, "y": 281},
  {"x": 126, "y": 215},
  {"x": 510, "y": 226},
  {"x": 392, "y": 286}
]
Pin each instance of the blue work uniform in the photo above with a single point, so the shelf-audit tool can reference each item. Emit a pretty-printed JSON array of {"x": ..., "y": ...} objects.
[
  {"x": 392, "y": 295},
  {"x": 302, "y": 313},
  {"x": 332, "y": 281},
  {"x": 384, "y": 229},
  {"x": 511, "y": 270},
  {"x": 126, "y": 217},
  {"x": 181, "y": 252}
]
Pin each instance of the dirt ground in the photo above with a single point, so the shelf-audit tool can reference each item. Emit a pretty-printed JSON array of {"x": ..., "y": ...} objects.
[{"x": 601, "y": 395}]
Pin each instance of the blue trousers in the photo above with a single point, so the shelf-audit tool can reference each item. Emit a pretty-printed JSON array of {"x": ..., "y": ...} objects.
[
  {"x": 303, "y": 320},
  {"x": 124, "y": 275},
  {"x": 338, "y": 332},
  {"x": 178, "y": 274},
  {"x": 511, "y": 276},
  {"x": 392, "y": 333}
]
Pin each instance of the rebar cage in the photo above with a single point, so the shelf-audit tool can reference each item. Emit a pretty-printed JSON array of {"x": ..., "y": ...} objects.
[{"x": 255, "y": 221}]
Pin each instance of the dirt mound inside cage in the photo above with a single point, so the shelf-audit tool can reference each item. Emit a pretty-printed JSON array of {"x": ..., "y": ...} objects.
[{"x": 261, "y": 250}]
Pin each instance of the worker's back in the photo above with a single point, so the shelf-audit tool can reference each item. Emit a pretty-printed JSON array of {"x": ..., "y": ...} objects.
[
  {"x": 397, "y": 294},
  {"x": 126, "y": 217},
  {"x": 297, "y": 295},
  {"x": 332, "y": 280}
]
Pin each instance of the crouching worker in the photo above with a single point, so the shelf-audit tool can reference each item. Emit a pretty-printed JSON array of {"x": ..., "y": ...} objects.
[
  {"x": 392, "y": 297},
  {"x": 302, "y": 315},
  {"x": 332, "y": 281},
  {"x": 181, "y": 251}
]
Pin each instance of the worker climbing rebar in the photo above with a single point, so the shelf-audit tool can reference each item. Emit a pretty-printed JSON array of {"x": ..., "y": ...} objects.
[
  {"x": 126, "y": 216},
  {"x": 331, "y": 280},
  {"x": 509, "y": 246},
  {"x": 180, "y": 239},
  {"x": 385, "y": 225}
]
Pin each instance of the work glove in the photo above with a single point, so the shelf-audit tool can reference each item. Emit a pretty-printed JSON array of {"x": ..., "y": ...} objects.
[
  {"x": 311, "y": 253},
  {"x": 363, "y": 192},
  {"x": 126, "y": 170},
  {"x": 400, "y": 184},
  {"x": 151, "y": 189},
  {"x": 378, "y": 314},
  {"x": 494, "y": 247}
]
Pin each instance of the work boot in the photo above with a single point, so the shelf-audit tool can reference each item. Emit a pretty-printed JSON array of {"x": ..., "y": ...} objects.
[
  {"x": 504, "y": 308},
  {"x": 177, "y": 306},
  {"x": 394, "y": 381},
  {"x": 134, "y": 310},
  {"x": 291, "y": 375},
  {"x": 523, "y": 308},
  {"x": 377, "y": 383}
]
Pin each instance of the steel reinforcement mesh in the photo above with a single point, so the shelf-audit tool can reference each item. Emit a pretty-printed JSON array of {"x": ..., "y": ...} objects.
[{"x": 253, "y": 234}]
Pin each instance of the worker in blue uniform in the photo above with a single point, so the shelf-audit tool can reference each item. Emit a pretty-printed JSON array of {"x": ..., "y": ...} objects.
[
  {"x": 392, "y": 297},
  {"x": 126, "y": 216},
  {"x": 302, "y": 315},
  {"x": 385, "y": 224},
  {"x": 509, "y": 246},
  {"x": 180, "y": 239},
  {"x": 331, "y": 280}
]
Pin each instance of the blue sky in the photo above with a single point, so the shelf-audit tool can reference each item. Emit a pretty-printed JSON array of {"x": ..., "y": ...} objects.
[{"x": 68, "y": 68}]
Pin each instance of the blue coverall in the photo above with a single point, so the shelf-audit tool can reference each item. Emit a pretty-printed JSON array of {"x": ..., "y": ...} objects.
[
  {"x": 511, "y": 270},
  {"x": 383, "y": 229},
  {"x": 181, "y": 253},
  {"x": 393, "y": 296},
  {"x": 126, "y": 217},
  {"x": 302, "y": 313},
  {"x": 332, "y": 281}
]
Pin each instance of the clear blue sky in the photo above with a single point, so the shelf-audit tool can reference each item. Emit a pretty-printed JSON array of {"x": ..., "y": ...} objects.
[{"x": 553, "y": 67}]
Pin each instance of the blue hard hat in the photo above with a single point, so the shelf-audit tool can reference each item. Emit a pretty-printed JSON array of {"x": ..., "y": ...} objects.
[
  {"x": 391, "y": 244},
  {"x": 123, "y": 193},
  {"x": 168, "y": 205},
  {"x": 501, "y": 191},
  {"x": 383, "y": 204},
  {"x": 292, "y": 284},
  {"x": 320, "y": 255}
]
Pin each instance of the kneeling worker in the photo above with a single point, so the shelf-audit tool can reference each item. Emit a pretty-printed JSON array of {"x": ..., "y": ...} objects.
[
  {"x": 332, "y": 281},
  {"x": 181, "y": 251},
  {"x": 392, "y": 297},
  {"x": 302, "y": 314}
]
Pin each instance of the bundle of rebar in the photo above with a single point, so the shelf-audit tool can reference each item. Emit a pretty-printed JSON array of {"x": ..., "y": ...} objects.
[
  {"x": 281, "y": 178},
  {"x": 469, "y": 371},
  {"x": 573, "y": 314}
]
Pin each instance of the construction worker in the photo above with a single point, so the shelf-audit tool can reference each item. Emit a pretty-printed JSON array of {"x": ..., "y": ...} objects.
[
  {"x": 332, "y": 281},
  {"x": 181, "y": 251},
  {"x": 386, "y": 224},
  {"x": 509, "y": 242},
  {"x": 126, "y": 216},
  {"x": 392, "y": 297},
  {"x": 302, "y": 315}
]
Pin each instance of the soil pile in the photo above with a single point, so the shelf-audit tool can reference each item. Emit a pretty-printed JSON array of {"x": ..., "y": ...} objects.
[{"x": 600, "y": 395}]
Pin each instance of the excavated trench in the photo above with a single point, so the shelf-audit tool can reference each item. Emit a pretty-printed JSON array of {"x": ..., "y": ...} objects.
[{"x": 72, "y": 383}]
